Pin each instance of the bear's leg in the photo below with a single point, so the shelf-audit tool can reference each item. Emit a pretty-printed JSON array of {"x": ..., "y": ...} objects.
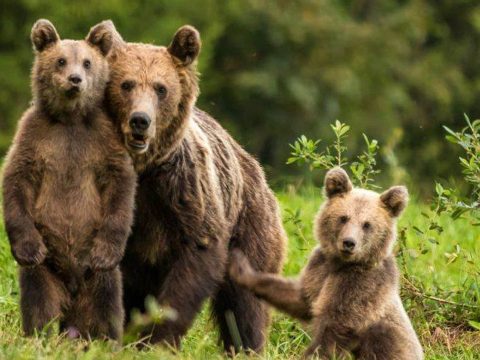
[
  {"x": 261, "y": 238},
  {"x": 242, "y": 318},
  {"x": 42, "y": 296},
  {"x": 384, "y": 341},
  {"x": 193, "y": 277},
  {"x": 135, "y": 287},
  {"x": 328, "y": 344},
  {"x": 98, "y": 309}
]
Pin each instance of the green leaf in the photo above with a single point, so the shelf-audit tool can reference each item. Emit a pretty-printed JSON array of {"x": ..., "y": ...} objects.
[
  {"x": 451, "y": 132},
  {"x": 413, "y": 253},
  {"x": 451, "y": 257},
  {"x": 417, "y": 230},
  {"x": 474, "y": 324},
  {"x": 344, "y": 129},
  {"x": 451, "y": 139},
  {"x": 439, "y": 188}
]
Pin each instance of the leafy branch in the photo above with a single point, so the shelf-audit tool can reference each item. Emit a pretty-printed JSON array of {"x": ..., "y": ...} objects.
[
  {"x": 363, "y": 167},
  {"x": 449, "y": 199}
]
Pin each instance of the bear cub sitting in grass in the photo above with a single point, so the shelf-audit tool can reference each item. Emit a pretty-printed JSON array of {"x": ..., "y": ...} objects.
[
  {"x": 349, "y": 290},
  {"x": 68, "y": 192}
]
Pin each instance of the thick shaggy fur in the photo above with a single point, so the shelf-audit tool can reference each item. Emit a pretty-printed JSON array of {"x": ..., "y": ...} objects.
[
  {"x": 349, "y": 289},
  {"x": 68, "y": 191},
  {"x": 199, "y": 195}
]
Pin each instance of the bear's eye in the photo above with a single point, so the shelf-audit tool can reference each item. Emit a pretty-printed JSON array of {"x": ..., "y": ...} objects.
[
  {"x": 343, "y": 219},
  {"x": 366, "y": 225},
  {"x": 161, "y": 91},
  {"x": 61, "y": 62},
  {"x": 127, "y": 85},
  {"x": 87, "y": 64}
]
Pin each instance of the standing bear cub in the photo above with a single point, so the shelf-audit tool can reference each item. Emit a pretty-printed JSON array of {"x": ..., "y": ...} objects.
[
  {"x": 68, "y": 192},
  {"x": 199, "y": 195},
  {"x": 349, "y": 289}
]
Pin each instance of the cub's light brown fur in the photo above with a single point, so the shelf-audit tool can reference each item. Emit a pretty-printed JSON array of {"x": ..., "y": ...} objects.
[
  {"x": 199, "y": 194},
  {"x": 68, "y": 191},
  {"x": 349, "y": 289}
]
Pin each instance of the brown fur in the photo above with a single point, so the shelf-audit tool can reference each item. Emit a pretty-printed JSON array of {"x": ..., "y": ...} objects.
[
  {"x": 199, "y": 195},
  {"x": 349, "y": 294},
  {"x": 68, "y": 191}
]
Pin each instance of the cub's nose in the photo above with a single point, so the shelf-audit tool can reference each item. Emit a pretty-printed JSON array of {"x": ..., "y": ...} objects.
[
  {"x": 139, "y": 122},
  {"x": 348, "y": 244},
  {"x": 75, "y": 79}
]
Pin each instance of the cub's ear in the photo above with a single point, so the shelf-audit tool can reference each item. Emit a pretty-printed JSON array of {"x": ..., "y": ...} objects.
[
  {"x": 395, "y": 199},
  {"x": 337, "y": 182},
  {"x": 43, "y": 34},
  {"x": 104, "y": 36},
  {"x": 185, "y": 45}
]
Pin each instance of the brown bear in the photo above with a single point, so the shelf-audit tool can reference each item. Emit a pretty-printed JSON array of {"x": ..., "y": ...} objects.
[
  {"x": 199, "y": 195},
  {"x": 349, "y": 289},
  {"x": 68, "y": 192}
]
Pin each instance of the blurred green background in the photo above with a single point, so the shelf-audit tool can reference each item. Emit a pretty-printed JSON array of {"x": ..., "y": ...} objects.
[{"x": 273, "y": 70}]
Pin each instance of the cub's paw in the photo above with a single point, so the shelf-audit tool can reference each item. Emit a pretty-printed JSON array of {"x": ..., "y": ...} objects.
[
  {"x": 30, "y": 252},
  {"x": 240, "y": 269},
  {"x": 103, "y": 256}
]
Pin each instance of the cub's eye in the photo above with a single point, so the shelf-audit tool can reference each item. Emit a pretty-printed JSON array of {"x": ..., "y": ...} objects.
[
  {"x": 161, "y": 91},
  {"x": 87, "y": 64},
  {"x": 366, "y": 225},
  {"x": 61, "y": 62},
  {"x": 343, "y": 219},
  {"x": 127, "y": 85}
]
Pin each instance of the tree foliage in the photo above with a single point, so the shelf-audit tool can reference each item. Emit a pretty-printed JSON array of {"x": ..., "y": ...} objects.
[{"x": 272, "y": 70}]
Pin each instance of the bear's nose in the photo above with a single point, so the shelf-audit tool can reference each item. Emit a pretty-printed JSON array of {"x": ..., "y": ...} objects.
[
  {"x": 75, "y": 79},
  {"x": 348, "y": 244},
  {"x": 139, "y": 122}
]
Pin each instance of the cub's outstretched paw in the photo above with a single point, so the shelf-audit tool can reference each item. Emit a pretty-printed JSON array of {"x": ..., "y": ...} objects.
[{"x": 240, "y": 269}]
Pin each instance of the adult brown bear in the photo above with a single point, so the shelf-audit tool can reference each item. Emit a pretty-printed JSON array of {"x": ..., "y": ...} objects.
[{"x": 199, "y": 193}]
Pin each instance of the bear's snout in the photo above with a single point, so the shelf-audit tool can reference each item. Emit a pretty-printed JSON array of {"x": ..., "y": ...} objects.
[
  {"x": 75, "y": 79},
  {"x": 139, "y": 122},
  {"x": 348, "y": 245}
]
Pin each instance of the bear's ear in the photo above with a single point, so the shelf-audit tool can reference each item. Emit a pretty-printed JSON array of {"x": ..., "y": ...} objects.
[
  {"x": 43, "y": 34},
  {"x": 104, "y": 36},
  {"x": 185, "y": 45},
  {"x": 337, "y": 182},
  {"x": 395, "y": 199}
]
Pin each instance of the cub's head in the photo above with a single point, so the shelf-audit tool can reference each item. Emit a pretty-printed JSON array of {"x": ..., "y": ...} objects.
[
  {"x": 68, "y": 75},
  {"x": 358, "y": 225},
  {"x": 152, "y": 89}
]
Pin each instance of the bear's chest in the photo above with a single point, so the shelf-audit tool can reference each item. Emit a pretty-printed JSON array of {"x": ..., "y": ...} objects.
[
  {"x": 68, "y": 152},
  {"x": 157, "y": 231},
  {"x": 352, "y": 298},
  {"x": 67, "y": 201}
]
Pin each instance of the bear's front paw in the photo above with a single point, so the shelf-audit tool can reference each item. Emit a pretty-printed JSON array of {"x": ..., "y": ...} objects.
[
  {"x": 103, "y": 256},
  {"x": 30, "y": 252},
  {"x": 240, "y": 269}
]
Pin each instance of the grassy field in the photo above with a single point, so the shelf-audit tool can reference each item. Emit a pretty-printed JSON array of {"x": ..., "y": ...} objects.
[{"x": 440, "y": 276}]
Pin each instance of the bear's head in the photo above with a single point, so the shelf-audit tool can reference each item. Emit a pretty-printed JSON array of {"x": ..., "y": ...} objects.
[
  {"x": 68, "y": 75},
  {"x": 358, "y": 225},
  {"x": 152, "y": 89}
]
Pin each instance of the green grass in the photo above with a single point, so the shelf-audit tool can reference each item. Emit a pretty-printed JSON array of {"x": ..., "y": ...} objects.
[{"x": 443, "y": 327}]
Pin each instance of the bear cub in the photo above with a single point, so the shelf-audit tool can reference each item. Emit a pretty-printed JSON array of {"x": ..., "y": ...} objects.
[
  {"x": 68, "y": 191},
  {"x": 349, "y": 289}
]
